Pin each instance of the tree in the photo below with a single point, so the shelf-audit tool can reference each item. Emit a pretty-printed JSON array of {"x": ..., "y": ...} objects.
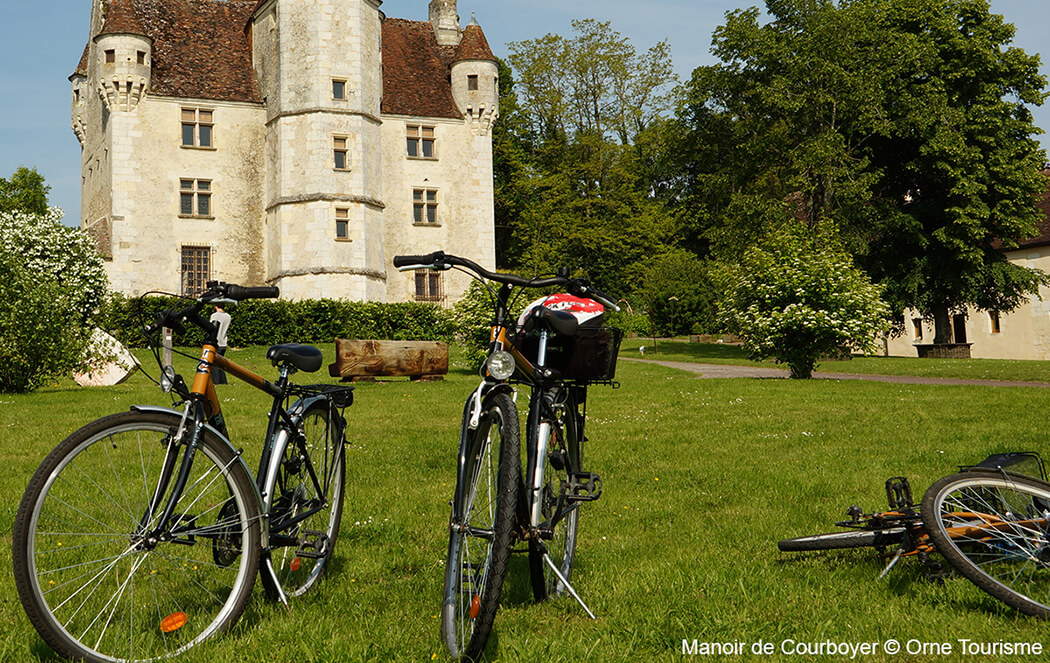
[
  {"x": 798, "y": 297},
  {"x": 51, "y": 285},
  {"x": 677, "y": 288},
  {"x": 904, "y": 122},
  {"x": 25, "y": 191},
  {"x": 578, "y": 158}
]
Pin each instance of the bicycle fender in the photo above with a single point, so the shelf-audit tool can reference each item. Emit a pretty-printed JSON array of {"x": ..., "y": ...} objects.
[
  {"x": 156, "y": 409},
  {"x": 464, "y": 465}
]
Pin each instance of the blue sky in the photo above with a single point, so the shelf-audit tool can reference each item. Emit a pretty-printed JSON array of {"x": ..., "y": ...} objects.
[{"x": 41, "y": 43}]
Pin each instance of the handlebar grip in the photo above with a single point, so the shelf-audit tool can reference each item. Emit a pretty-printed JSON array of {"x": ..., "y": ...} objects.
[
  {"x": 257, "y": 292},
  {"x": 409, "y": 260}
]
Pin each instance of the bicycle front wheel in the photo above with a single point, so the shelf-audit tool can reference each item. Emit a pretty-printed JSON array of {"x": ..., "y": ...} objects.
[
  {"x": 101, "y": 578},
  {"x": 307, "y": 507},
  {"x": 994, "y": 528},
  {"x": 563, "y": 457},
  {"x": 482, "y": 528}
]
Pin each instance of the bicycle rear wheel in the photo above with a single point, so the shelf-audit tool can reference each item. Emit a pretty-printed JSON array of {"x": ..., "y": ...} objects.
[
  {"x": 482, "y": 528},
  {"x": 563, "y": 458},
  {"x": 100, "y": 585},
  {"x": 860, "y": 538},
  {"x": 307, "y": 505},
  {"x": 994, "y": 528}
]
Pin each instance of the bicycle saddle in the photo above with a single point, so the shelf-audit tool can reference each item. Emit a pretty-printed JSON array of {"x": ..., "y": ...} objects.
[
  {"x": 304, "y": 357},
  {"x": 560, "y": 322}
]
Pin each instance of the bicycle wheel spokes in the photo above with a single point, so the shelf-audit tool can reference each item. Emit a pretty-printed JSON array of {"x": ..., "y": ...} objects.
[
  {"x": 308, "y": 502},
  {"x": 562, "y": 545},
  {"x": 480, "y": 542},
  {"x": 97, "y": 583},
  {"x": 994, "y": 529}
]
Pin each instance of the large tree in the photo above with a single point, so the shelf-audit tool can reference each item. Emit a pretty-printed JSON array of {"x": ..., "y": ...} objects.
[
  {"x": 904, "y": 122},
  {"x": 574, "y": 164}
]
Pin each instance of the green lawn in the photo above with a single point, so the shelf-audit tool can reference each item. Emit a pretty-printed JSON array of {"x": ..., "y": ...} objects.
[
  {"x": 702, "y": 477},
  {"x": 969, "y": 369}
]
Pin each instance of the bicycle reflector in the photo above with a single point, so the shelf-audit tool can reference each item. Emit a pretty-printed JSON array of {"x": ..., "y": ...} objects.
[
  {"x": 173, "y": 622},
  {"x": 500, "y": 364}
]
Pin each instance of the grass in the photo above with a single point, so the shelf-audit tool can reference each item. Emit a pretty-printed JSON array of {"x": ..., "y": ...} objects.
[
  {"x": 966, "y": 369},
  {"x": 702, "y": 477}
]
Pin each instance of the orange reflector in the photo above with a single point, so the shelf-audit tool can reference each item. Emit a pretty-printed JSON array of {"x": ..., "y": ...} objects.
[
  {"x": 173, "y": 622},
  {"x": 295, "y": 564},
  {"x": 475, "y": 607}
]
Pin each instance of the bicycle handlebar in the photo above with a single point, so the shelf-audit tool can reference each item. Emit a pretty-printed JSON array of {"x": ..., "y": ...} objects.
[
  {"x": 439, "y": 260},
  {"x": 217, "y": 291}
]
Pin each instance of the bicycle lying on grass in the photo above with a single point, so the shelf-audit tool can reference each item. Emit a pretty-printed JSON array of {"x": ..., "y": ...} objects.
[
  {"x": 992, "y": 525},
  {"x": 141, "y": 534},
  {"x": 558, "y": 348}
]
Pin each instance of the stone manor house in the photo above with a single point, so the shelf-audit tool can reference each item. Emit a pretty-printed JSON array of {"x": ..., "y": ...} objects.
[{"x": 296, "y": 143}]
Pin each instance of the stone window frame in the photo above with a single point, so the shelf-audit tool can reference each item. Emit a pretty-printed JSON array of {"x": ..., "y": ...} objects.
[
  {"x": 194, "y": 268},
  {"x": 995, "y": 323},
  {"x": 416, "y": 139},
  {"x": 342, "y": 222},
  {"x": 200, "y": 121},
  {"x": 338, "y": 82},
  {"x": 425, "y": 206},
  {"x": 429, "y": 285},
  {"x": 109, "y": 56},
  {"x": 196, "y": 190},
  {"x": 341, "y": 149}
]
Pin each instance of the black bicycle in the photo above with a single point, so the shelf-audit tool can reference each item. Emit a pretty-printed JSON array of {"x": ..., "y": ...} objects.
[
  {"x": 141, "y": 534},
  {"x": 558, "y": 348}
]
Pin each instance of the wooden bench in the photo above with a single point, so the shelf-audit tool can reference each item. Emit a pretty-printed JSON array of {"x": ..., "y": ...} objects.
[{"x": 357, "y": 360}]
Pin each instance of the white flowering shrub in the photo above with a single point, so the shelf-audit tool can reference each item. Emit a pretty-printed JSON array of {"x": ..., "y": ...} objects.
[
  {"x": 797, "y": 299},
  {"x": 52, "y": 282}
]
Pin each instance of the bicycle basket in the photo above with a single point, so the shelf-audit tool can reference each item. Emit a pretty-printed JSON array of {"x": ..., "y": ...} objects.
[{"x": 589, "y": 355}]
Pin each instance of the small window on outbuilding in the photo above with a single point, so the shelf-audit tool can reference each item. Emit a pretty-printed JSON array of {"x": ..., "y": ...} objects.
[
  {"x": 916, "y": 324},
  {"x": 993, "y": 319}
]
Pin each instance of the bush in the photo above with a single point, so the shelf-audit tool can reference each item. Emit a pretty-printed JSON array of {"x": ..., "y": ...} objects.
[
  {"x": 796, "y": 298},
  {"x": 272, "y": 321},
  {"x": 51, "y": 284}
]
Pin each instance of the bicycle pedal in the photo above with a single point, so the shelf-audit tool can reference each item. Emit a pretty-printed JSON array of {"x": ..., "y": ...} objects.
[
  {"x": 583, "y": 487},
  {"x": 314, "y": 547},
  {"x": 898, "y": 493}
]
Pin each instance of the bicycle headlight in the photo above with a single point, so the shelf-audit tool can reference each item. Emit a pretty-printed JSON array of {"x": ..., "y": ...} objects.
[
  {"x": 167, "y": 379},
  {"x": 500, "y": 364}
]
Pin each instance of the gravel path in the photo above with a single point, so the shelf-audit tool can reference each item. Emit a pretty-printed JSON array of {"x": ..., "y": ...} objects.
[{"x": 733, "y": 371}]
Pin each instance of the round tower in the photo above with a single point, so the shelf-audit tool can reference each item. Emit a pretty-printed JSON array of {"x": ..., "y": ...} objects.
[
  {"x": 123, "y": 56},
  {"x": 475, "y": 79},
  {"x": 444, "y": 17}
]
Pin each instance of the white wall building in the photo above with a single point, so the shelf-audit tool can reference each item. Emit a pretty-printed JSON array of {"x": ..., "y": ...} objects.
[{"x": 296, "y": 143}]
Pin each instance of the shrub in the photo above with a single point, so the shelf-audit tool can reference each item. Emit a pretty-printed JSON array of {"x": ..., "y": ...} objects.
[
  {"x": 797, "y": 298},
  {"x": 51, "y": 283}
]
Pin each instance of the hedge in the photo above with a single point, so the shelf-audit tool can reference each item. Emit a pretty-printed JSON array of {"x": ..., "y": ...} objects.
[{"x": 268, "y": 322}]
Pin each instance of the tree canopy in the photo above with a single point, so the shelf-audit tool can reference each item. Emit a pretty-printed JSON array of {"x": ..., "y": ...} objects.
[{"x": 906, "y": 123}]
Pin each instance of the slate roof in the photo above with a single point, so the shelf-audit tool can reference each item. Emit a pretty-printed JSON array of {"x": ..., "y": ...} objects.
[{"x": 201, "y": 49}]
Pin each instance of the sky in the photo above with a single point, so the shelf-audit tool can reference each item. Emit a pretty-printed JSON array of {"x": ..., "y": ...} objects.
[{"x": 41, "y": 43}]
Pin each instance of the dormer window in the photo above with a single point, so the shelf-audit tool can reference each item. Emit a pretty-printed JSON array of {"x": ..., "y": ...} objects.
[{"x": 472, "y": 81}]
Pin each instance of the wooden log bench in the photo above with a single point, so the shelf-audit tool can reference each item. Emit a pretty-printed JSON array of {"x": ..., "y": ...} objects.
[{"x": 357, "y": 360}]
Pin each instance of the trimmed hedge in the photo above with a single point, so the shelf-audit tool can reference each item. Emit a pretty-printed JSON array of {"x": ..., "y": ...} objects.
[{"x": 269, "y": 321}]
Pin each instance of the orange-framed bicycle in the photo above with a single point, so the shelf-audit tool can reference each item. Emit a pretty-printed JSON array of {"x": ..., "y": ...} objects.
[{"x": 141, "y": 534}]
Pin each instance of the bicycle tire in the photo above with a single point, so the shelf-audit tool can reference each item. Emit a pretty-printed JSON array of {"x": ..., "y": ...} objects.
[
  {"x": 564, "y": 449},
  {"x": 99, "y": 586},
  {"x": 862, "y": 538},
  {"x": 309, "y": 544},
  {"x": 992, "y": 527},
  {"x": 479, "y": 548}
]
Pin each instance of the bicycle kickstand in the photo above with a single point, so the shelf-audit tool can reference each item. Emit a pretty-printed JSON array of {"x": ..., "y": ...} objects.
[{"x": 561, "y": 578}]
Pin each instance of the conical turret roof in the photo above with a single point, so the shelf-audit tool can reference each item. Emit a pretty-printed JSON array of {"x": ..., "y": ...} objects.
[
  {"x": 121, "y": 18},
  {"x": 473, "y": 45}
]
